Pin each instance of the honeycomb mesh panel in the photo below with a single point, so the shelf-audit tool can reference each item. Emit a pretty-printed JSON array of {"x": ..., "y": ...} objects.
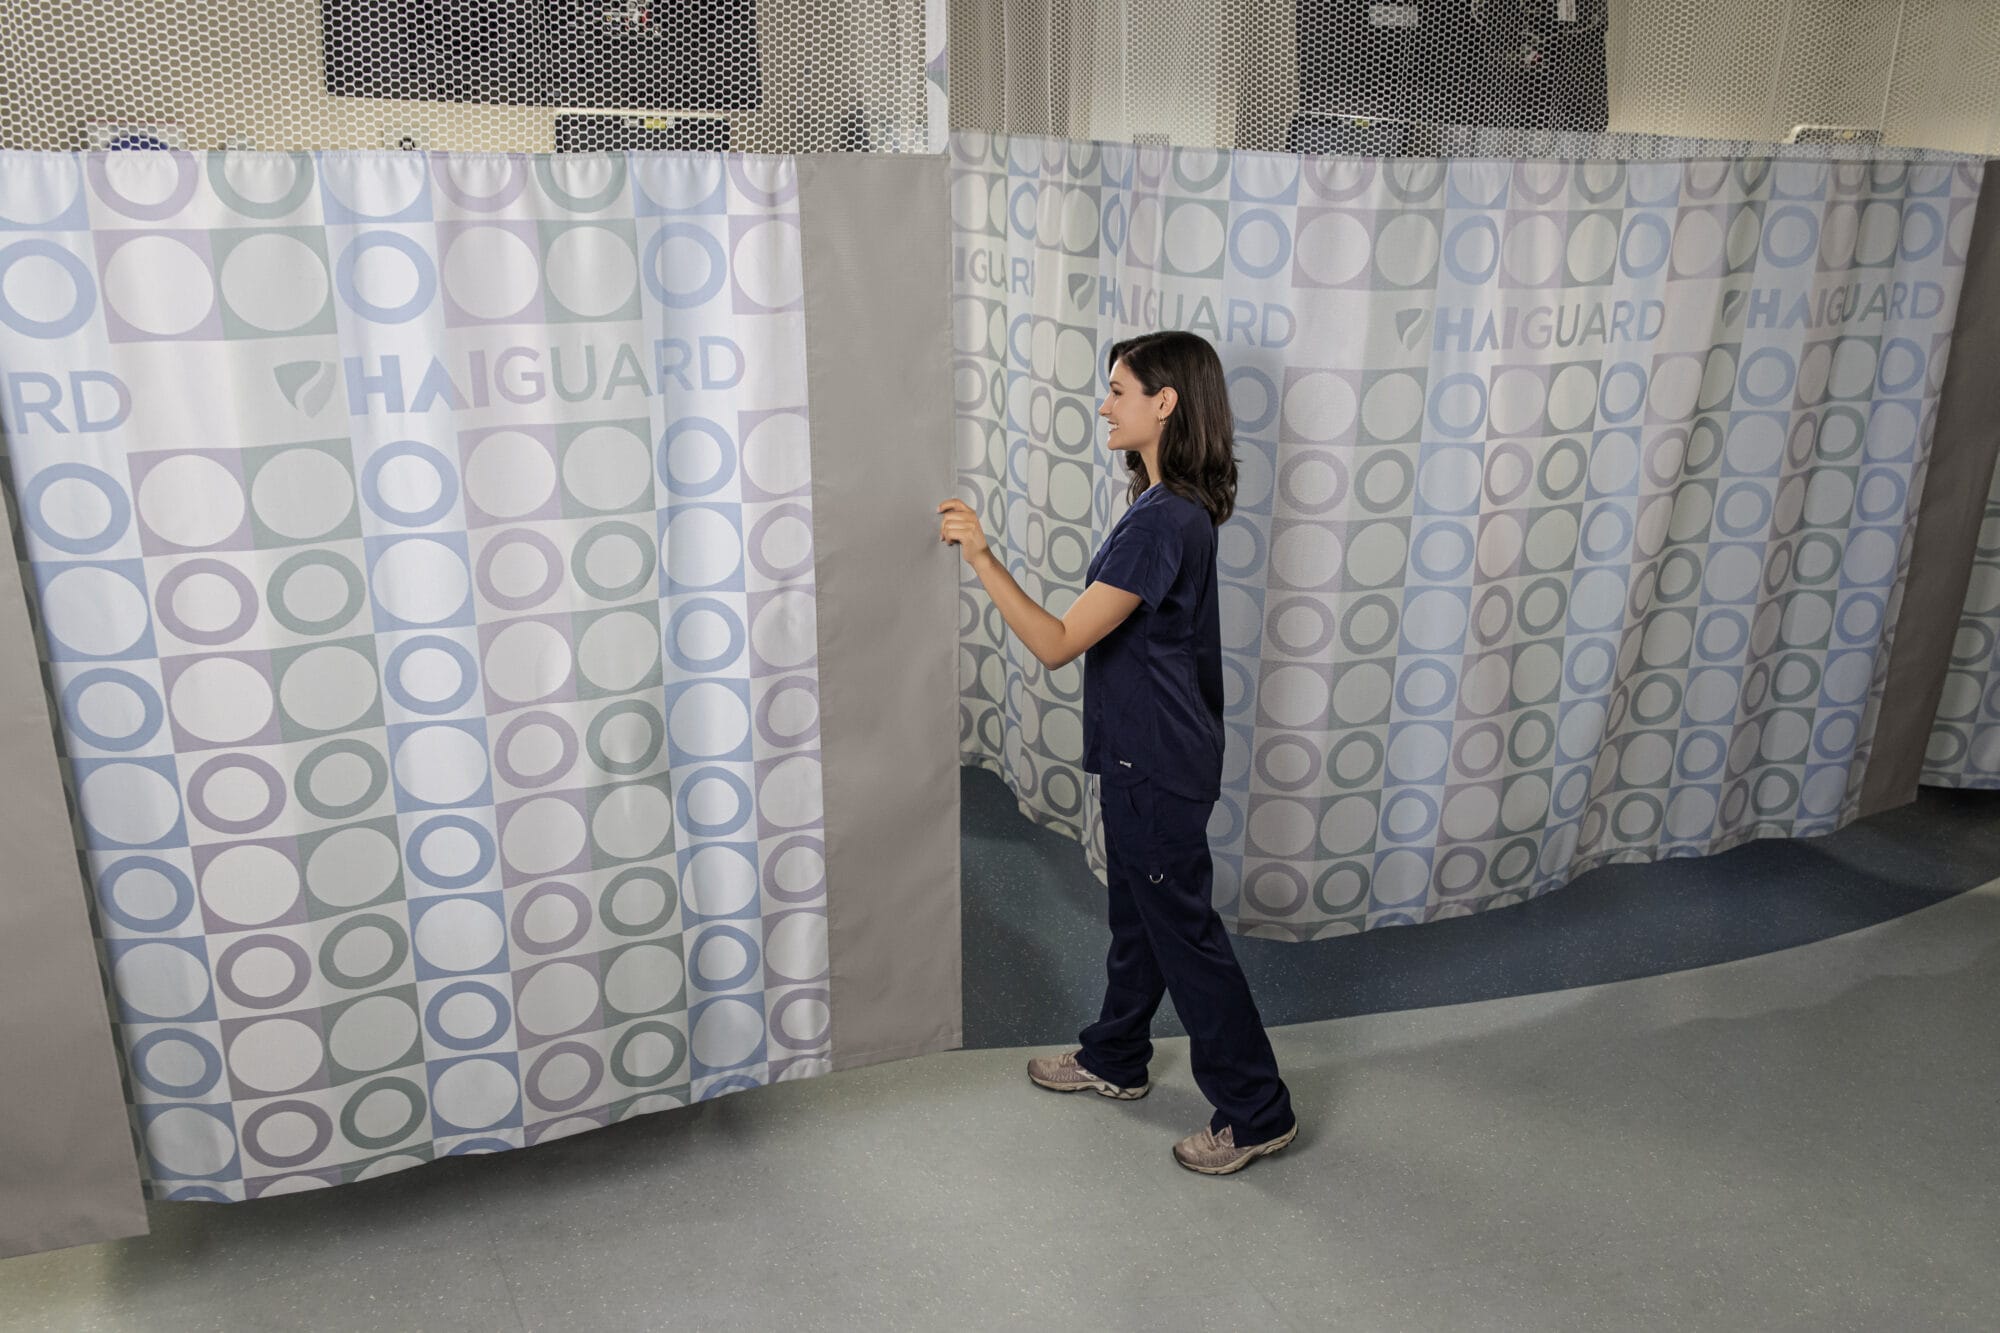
[
  {"x": 468, "y": 75},
  {"x": 1512, "y": 78}
]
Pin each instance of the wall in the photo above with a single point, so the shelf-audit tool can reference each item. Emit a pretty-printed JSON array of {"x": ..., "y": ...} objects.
[
  {"x": 1226, "y": 73},
  {"x": 248, "y": 73}
]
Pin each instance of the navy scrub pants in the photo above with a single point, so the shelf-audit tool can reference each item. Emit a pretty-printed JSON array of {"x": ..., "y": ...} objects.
[{"x": 1166, "y": 936}]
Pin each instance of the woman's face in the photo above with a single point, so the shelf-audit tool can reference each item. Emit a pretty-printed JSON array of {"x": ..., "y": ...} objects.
[{"x": 1135, "y": 416}]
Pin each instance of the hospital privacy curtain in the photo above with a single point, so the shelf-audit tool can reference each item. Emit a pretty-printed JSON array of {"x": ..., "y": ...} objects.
[
  {"x": 478, "y": 593},
  {"x": 1577, "y": 497}
]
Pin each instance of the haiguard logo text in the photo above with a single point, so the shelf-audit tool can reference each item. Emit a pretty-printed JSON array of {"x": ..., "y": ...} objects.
[
  {"x": 1467, "y": 328},
  {"x": 1228, "y": 320},
  {"x": 86, "y": 402}
]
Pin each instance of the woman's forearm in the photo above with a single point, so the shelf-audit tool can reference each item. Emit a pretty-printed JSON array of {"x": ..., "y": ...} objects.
[{"x": 1041, "y": 632}]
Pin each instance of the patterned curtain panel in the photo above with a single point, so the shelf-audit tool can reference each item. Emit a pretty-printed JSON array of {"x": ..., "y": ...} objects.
[
  {"x": 1964, "y": 749},
  {"x": 1575, "y": 496},
  {"x": 425, "y": 553}
]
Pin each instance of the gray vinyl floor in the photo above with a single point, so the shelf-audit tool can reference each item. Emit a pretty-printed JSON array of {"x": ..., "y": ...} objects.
[{"x": 1798, "y": 1140}]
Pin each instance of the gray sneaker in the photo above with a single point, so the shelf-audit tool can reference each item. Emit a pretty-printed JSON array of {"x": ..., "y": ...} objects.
[
  {"x": 1061, "y": 1073},
  {"x": 1215, "y": 1154}
]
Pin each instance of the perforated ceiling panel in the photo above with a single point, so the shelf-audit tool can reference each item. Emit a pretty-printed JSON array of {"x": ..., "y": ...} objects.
[
  {"x": 499, "y": 75},
  {"x": 1506, "y": 77},
  {"x": 1629, "y": 78}
]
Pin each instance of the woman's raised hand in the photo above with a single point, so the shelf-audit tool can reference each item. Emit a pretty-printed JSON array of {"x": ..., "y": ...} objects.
[{"x": 960, "y": 527}]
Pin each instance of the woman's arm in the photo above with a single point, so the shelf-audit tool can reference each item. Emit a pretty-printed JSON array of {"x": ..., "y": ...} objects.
[{"x": 1055, "y": 643}]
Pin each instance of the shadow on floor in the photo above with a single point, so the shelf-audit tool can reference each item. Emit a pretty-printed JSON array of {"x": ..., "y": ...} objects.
[{"x": 1034, "y": 932}]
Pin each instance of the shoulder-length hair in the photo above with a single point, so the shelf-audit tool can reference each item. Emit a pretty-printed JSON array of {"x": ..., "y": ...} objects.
[{"x": 1198, "y": 438}]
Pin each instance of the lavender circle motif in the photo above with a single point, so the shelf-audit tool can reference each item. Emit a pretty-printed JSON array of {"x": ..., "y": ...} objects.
[
  {"x": 552, "y": 567},
  {"x": 565, "y": 756},
  {"x": 579, "y": 910},
  {"x": 760, "y": 537},
  {"x": 253, "y": 1127},
  {"x": 594, "y": 1075},
  {"x": 781, "y": 1035},
  {"x": 274, "y": 787},
  {"x": 811, "y": 892},
  {"x": 228, "y": 983},
  {"x": 775, "y": 692},
  {"x": 246, "y": 616},
  {"x": 186, "y": 177},
  {"x": 371, "y": 859},
  {"x": 507, "y": 192}
]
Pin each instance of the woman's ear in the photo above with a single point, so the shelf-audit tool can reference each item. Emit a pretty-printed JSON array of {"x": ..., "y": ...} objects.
[{"x": 1169, "y": 397}]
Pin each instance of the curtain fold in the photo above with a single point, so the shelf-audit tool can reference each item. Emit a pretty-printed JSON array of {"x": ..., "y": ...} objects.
[
  {"x": 1576, "y": 496},
  {"x": 67, "y": 1176},
  {"x": 1964, "y": 743},
  {"x": 425, "y": 546},
  {"x": 1940, "y": 720}
]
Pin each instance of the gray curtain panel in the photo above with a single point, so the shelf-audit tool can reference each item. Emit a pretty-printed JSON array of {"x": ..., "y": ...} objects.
[
  {"x": 877, "y": 264},
  {"x": 1576, "y": 496},
  {"x": 1942, "y": 724},
  {"x": 67, "y": 1173}
]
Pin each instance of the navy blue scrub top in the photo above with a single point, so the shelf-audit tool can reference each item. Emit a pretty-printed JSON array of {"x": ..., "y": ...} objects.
[{"x": 1152, "y": 688}]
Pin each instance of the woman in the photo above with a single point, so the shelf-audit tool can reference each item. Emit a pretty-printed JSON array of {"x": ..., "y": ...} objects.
[{"x": 1147, "y": 629}]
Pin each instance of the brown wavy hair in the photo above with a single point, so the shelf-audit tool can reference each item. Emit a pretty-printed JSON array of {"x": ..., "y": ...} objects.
[{"x": 1198, "y": 438}]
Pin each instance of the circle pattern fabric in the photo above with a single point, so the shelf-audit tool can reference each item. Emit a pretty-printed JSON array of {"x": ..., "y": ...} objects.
[
  {"x": 442, "y": 700},
  {"x": 1964, "y": 745},
  {"x": 1574, "y": 505}
]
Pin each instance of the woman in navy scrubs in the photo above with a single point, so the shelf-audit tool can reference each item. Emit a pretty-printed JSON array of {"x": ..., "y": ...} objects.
[{"x": 1147, "y": 629}]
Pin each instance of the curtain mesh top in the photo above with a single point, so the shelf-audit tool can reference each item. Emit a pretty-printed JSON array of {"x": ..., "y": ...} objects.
[
  {"x": 471, "y": 75},
  {"x": 1501, "y": 78}
]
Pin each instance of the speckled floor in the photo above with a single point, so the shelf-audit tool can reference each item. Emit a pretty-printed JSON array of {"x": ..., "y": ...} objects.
[
  {"x": 1035, "y": 935},
  {"x": 1799, "y": 1140}
]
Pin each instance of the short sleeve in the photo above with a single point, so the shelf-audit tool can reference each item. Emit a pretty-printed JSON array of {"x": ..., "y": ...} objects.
[{"x": 1141, "y": 558}]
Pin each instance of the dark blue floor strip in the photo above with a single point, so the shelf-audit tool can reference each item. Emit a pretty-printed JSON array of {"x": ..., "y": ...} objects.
[{"x": 1035, "y": 935}]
